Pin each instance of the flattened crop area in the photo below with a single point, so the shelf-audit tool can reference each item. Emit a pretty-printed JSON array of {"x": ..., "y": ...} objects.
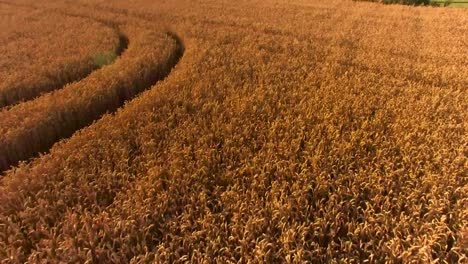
[{"x": 254, "y": 131}]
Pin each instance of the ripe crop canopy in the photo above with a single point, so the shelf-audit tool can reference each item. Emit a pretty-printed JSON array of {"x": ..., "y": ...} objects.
[{"x": 255, "y": 131}]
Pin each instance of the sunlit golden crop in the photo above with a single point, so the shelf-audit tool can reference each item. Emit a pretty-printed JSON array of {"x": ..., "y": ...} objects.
[{"x": 235, "y": 132}]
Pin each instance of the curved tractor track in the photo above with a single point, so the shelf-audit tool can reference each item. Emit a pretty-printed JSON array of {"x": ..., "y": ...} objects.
[
  {"x": 31, "y": 93},
  {"x": 67, "y": 60},
  {"x": 32, "y": 127}
]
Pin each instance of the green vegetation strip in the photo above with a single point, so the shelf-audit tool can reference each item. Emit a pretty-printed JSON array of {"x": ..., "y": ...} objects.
[{"x": 451, "y": 3}]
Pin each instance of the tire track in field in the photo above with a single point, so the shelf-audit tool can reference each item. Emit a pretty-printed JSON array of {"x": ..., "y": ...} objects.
[
  {"x": 158, "y": 72},
  {"x": 59, "y": 83},
  {"x": 18, "y": 94},
  {"x": 59, "y": 114}
]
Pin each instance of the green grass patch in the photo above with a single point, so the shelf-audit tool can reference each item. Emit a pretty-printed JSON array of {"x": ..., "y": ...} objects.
[
  {"x": 449, "y": 3},
  {"x": 444, "y": 3},
  {"x": 104, "y": 58}
]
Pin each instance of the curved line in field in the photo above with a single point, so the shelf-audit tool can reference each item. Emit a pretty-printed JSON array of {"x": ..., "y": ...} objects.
[
  {"x": 13, "y": 95},
  {"x": 60, "y": 116}
]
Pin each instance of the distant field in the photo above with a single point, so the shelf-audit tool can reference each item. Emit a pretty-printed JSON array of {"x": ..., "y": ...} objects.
[
  {"x": 451, "y": 3},
  {"x": 248, "y": 131}
]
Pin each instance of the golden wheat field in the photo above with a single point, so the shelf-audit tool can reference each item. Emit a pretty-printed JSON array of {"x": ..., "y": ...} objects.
[
  {"x": 215, "y": 131},
  {"x": 41, "y": 51}
]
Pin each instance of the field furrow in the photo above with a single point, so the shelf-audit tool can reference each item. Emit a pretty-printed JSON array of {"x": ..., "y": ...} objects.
[
  {"x": 57, "y": 115},
  {"x": 33, "y": 63},
  {"x": 306, "y": 132}
]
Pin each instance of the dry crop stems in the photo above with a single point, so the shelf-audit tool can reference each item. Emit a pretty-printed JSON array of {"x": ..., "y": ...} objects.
[
  {"x": 279, "y": 137},
  {"x": 57, "y": 115},
  {"x": 43, "y": 51}
]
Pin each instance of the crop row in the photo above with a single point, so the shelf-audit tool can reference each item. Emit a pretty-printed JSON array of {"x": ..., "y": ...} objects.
[
  {"x": 33, "y": 126},
  {"x": 320, "y": 132},
  {"x": 42, "y": 51}
]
